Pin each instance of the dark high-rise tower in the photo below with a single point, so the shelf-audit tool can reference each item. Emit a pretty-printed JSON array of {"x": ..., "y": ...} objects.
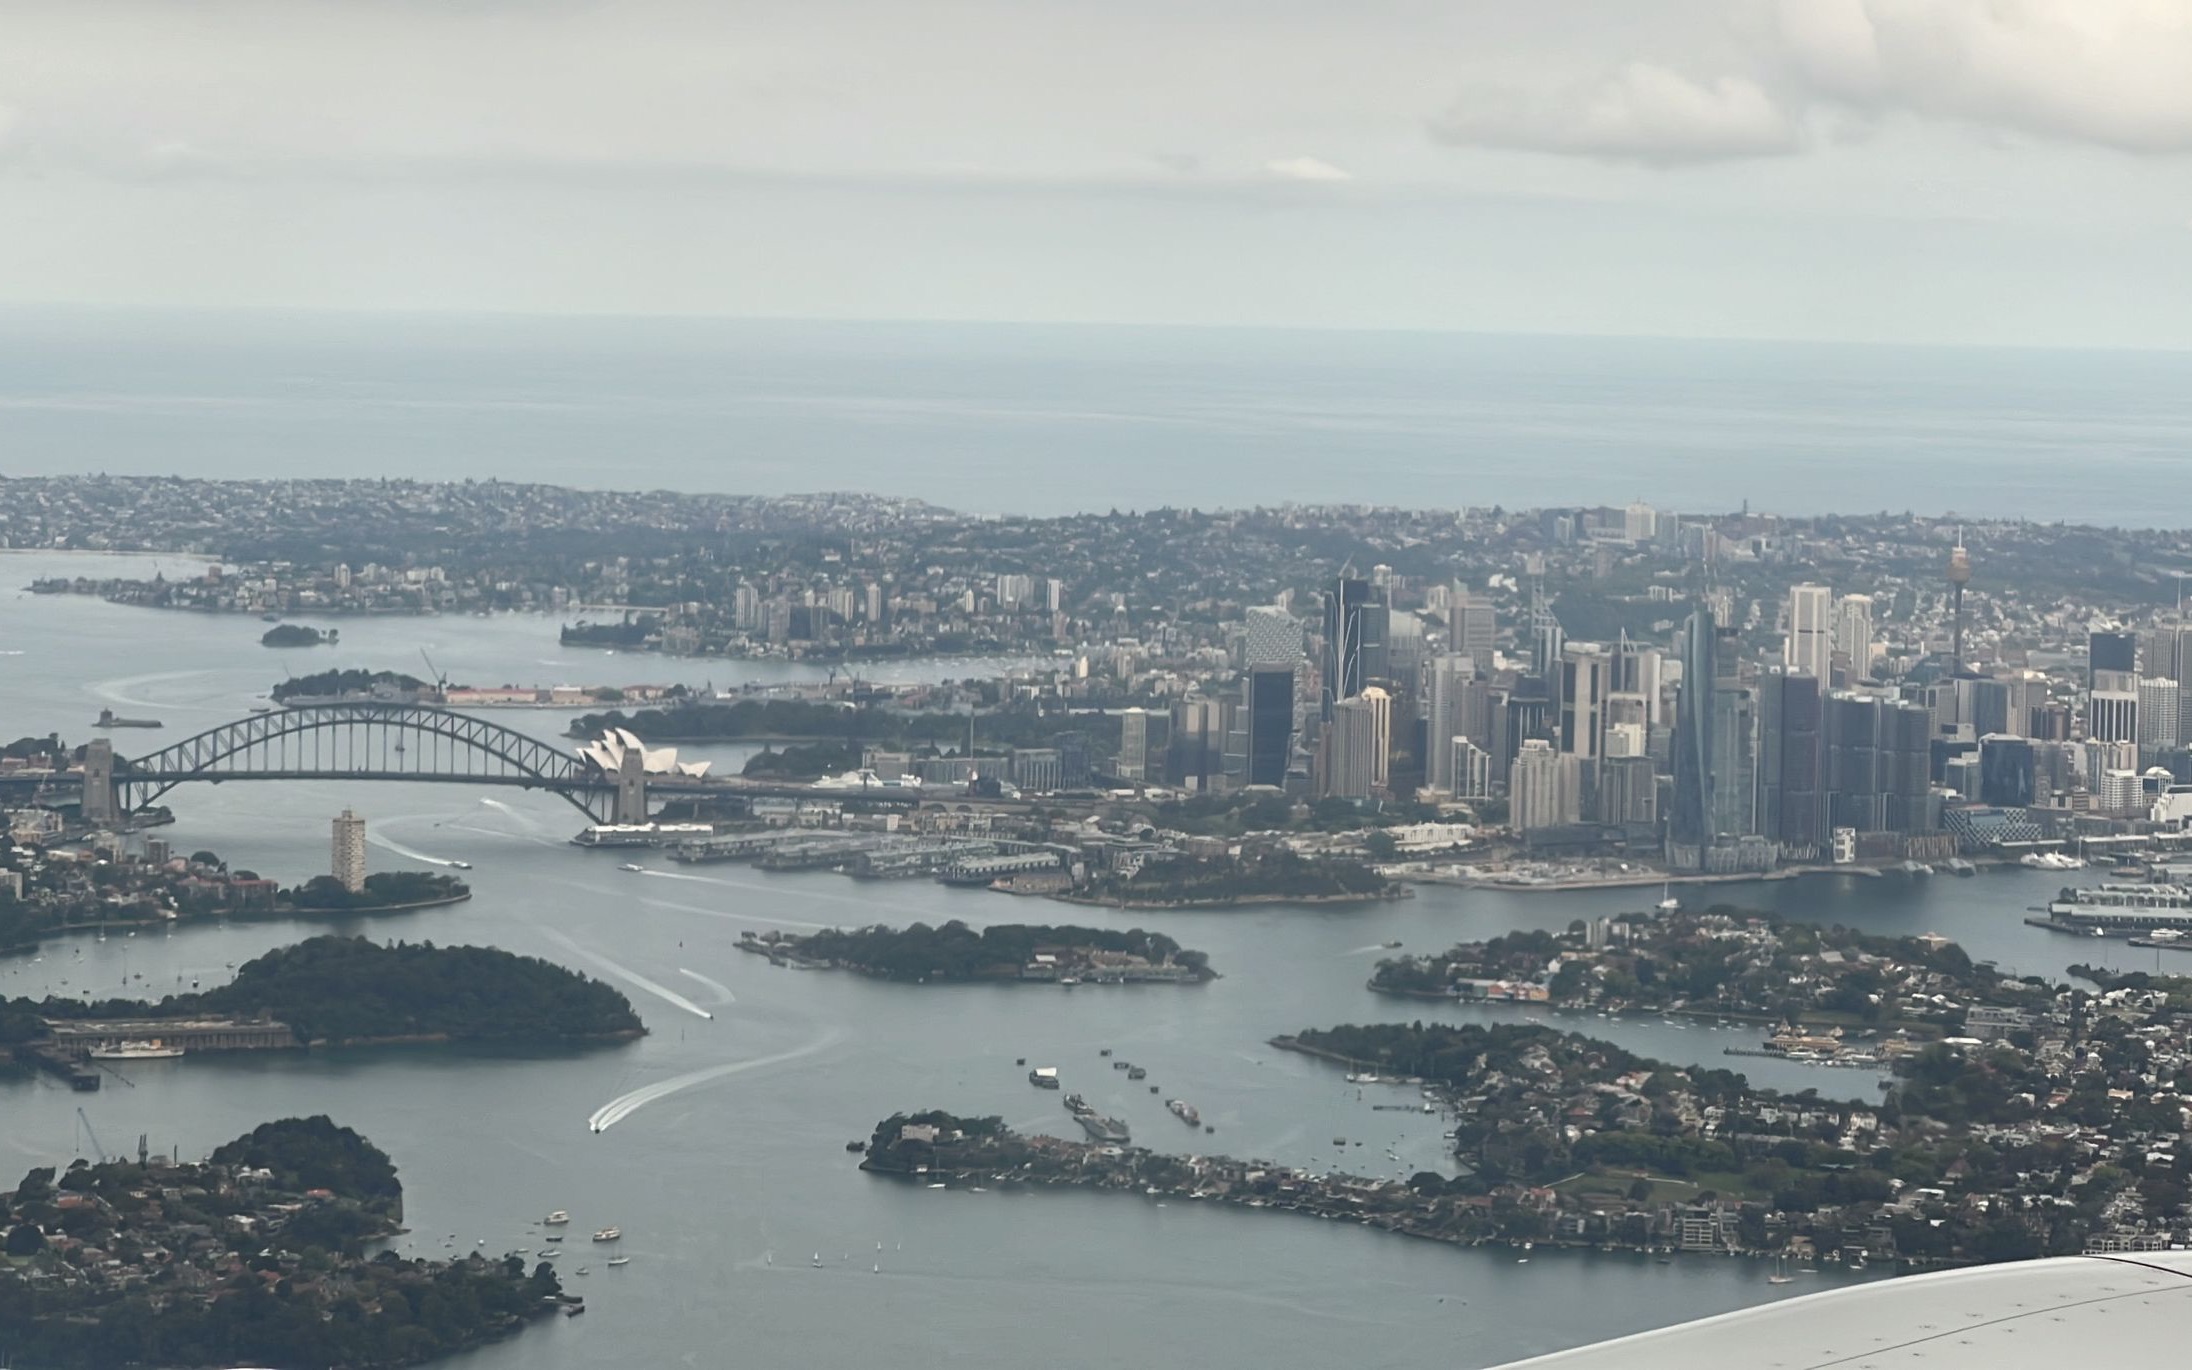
[
  {"x": 1268, "y": 701},
  {"x": 1691, "y": 822},
  {"x": 1959, "y": 575},
  {"x": 2116, "y": 652}
]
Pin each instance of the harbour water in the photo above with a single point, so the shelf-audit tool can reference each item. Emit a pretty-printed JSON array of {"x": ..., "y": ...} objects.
[{"x": 724, "y": 1162}]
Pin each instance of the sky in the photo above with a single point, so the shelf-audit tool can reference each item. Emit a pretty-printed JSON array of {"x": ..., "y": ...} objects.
[{"x": 1954, "y": 171}]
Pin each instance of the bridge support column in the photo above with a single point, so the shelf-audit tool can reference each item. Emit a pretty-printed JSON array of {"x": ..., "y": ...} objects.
[
  {"x": 98, "y": 801},
  {"x": 631, "y": 794}
]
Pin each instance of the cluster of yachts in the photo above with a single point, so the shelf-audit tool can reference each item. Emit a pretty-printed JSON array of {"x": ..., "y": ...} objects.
[{"x": 552, "y": 1243}]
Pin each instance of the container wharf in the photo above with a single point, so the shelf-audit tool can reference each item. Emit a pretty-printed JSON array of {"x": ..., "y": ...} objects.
[
  {"x": 2078, "y": 930},
  {"x": 78, "y": 1037},
  {"x": 867, "y": 856},
  {"x": 1849, "y": 1061}
]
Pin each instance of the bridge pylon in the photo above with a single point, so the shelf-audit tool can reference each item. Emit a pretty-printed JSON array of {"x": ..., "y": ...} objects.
[
  {"x": 98, "y": 802},
  {"x": 631, "y": 791}
]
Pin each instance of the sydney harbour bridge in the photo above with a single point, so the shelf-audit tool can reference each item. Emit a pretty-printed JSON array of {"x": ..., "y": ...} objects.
[{"x": 404, "y": 742}]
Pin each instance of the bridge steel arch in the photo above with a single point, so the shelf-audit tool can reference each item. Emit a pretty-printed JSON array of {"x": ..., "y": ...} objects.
[{"x": 414, "y": 742}]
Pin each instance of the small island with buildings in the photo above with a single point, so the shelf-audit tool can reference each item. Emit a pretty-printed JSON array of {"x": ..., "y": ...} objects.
[
  {"x": 326, "y": 992},
  {"x": 1826, "y": 994},
  {"x": 1004, "y": 953},
  {"x": 257, "y": 1255}
]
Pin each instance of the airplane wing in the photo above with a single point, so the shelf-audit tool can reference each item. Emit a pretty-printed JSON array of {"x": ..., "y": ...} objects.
[{"x": 2133, "y": 1309}]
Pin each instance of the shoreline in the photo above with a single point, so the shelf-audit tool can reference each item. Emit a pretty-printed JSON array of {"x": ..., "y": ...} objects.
[
  {"x": 1226, "y": 902},
  {"x": 315, "y": 910},
  {"x": 274, "y": 915},
  {"x": 1624, "y": 882}
]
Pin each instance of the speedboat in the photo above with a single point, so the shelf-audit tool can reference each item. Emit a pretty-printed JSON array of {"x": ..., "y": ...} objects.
[
  {"x": 461, "y": 865},
  {"x": 556, "y": 1219},
  {"x": 631, "y": 866},
  {"x": 620, "y": 1260},
  {"x": 608, "y": 1234}
]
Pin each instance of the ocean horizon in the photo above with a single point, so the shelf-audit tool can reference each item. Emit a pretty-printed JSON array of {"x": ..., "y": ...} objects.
[{"x": 1061, "y": 418}]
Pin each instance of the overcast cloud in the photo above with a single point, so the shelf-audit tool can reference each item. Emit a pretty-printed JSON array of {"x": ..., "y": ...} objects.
[{"x": 1999, "y": 170}]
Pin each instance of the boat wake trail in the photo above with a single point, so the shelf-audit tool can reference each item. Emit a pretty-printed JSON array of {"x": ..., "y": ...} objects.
[
  {"x": 628, "y": 975},
  {"x": 525, "y": 818},
  {"x": 625, "y": 1105},
  {"x": 405, "y": 852},
  {"x": 724, "y": 913},
  {"x": 1364, "y": 951},
  {"x": 503, "y": 833},
  {"x": 117, "y": 691},
  {"x": 778, "y": 890},
  {"x": 720, "y": 989}
]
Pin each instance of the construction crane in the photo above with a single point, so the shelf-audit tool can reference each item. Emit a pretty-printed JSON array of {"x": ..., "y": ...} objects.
[
  {"x": 96, "y": 1149},
  {"x": 441, "y": 682}
]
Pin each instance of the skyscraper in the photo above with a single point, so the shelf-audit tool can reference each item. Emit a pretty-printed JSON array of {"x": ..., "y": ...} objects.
[
  {"x": 1853, "y": 636},
  {"x": 1352, "y": 747},
  {"x": 1344, "y": 606},
  {"x": 1690, "y": 823},
  {"x": 1628, "y": 784},
  {"x": 1546, "y": 640},
  {"x": 1542, "y": 788},
  {"x": 1809, "y": 646},
  {"x": 2110, "y": 651},
  {"x": 1735, "y": 762},
  {"x": 349, "y": 851},
  {"x": 1444, "y": 716},
  {"x": 1195, "y": 747},
  {"x": 1879, "y": 763},
  {"x": 1474, "y": 628},
  {"x": 2007, "y": 773},
  {"x": 1134, "y": 744},
  {"x": 1381, "y": 734},
  {"x": 2158, "y": 721},
  {"x": 1633, "y": 693},
  {"x": 1471, "y": 768},
  {"x": 1792, "y": 761},
  {"x": 2112, "y": 714},
  {"x": 1585, "y": 680},
  {"x": 1274, "y": 638},
  {"x": 1268, "y": 704}
]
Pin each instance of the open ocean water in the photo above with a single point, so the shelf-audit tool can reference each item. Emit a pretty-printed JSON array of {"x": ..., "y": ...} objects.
[{"x": 1054, "y": 419}]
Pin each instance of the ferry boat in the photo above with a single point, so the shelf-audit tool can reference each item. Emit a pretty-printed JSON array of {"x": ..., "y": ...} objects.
[
  {"x": 556, "y": 1219},
  {"x": 641, "y": 834},
  {"x": 1044, "y": 1077},
  {"x": 2051, "y": 861},
  {"x": 619, "y": 1260},
  {"x": 1184, "y": 1111},
  {"x": 136, "y": 1051},
  {"x": 608, "y": 1234},
  {"x": 2115, "y": 905}
]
